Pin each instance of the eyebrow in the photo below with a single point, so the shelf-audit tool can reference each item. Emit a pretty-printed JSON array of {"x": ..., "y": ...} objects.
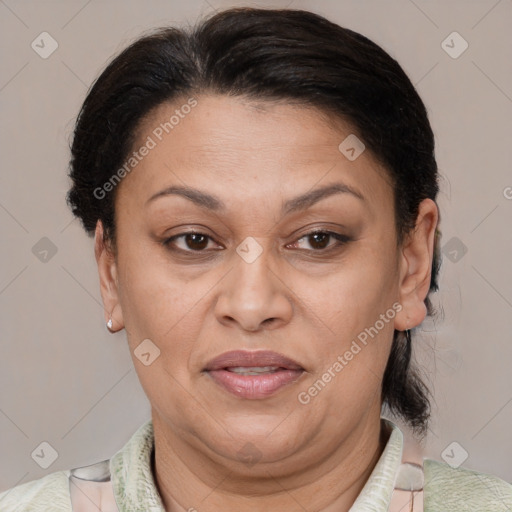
[{"x": 302, "y": 202}]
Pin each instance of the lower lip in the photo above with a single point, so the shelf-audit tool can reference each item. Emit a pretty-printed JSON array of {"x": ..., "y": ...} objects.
[{"x": 254, "y": 386}]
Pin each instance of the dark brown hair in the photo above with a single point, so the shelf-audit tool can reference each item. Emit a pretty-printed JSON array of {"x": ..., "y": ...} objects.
[{"x": 265, "y": 54}]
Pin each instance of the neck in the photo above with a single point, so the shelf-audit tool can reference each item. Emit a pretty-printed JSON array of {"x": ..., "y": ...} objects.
[{"x": 189, "y": 481}]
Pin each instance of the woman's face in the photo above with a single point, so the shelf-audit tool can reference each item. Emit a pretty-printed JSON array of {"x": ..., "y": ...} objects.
[{"x": 253, "y": 181}]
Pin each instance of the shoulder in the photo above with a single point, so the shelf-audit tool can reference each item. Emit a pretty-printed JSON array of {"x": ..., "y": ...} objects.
[
  {"x": 460, "y": 489},
  {"x": 50, "y": 492}
]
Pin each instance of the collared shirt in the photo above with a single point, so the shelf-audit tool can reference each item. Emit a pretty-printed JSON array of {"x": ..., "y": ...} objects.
[{"x": 133, "y": 486}]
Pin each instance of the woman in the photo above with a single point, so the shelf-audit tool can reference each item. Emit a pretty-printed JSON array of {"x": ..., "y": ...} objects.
[{"x": 262, "y": 194}]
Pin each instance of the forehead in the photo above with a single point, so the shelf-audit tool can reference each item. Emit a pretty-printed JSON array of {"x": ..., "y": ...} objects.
[{"x": 241, "y": 142}]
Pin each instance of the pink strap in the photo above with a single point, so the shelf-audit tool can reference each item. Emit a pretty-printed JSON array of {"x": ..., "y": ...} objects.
[
  {"x": 91, "y": 489},
  {"x": 406, "y": 501},
  {"x": 92, "y": 496},
  {"x": 408, "y": 492}
]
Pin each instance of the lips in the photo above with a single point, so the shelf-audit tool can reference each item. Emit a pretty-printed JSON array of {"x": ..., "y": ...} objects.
[
  {"x": 253, "y": 375},
  {"x": 252, "y": 359}
]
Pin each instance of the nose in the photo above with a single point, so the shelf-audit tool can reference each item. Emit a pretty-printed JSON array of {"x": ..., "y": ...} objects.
[{"x": 253, "y": 295}]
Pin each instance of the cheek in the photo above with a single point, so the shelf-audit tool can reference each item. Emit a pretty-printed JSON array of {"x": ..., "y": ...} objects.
[
  {"x": 353, "y": 353},
  {"x": 362, "y": 289},
  {"x": 355, "y": 305},
  {"x": 156, "y": 303},
  {"x": 162, "y": 303},
  {"x": 159, "y": 306}
]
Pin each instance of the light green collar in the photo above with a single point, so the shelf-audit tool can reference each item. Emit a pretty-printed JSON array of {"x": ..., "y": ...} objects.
[
  {"x": 376, "y": 494},
  {"x": 134, "y": 485},
  {"x": 131, "y": 475}
]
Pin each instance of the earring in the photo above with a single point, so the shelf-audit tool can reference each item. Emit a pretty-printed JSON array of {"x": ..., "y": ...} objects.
[{"x": 110, "y": 324}]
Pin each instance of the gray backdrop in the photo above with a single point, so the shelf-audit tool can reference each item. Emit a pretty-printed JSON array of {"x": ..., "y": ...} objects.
[{"x": 66, "y": 381}]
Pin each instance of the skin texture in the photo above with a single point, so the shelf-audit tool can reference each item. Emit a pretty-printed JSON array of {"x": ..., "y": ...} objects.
[{"x": 304, "y": 297}]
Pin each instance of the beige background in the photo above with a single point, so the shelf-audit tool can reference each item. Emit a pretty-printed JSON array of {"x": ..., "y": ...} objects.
[{"x": 65, "y": 380}]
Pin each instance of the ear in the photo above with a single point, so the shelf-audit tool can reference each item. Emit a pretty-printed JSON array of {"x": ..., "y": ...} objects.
[
  {"x": 415, "y": 260},
  {"x": 107, "y": 270}
]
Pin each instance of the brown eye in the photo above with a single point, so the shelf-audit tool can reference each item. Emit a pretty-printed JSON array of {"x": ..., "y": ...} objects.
[
  {"x": 190, "y": 242},
  {"x": 319, "y": 240},
  {"x": 196, "y": 241}
]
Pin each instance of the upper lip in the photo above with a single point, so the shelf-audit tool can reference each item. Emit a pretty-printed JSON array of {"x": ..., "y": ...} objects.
[{"x": 252, "y": 359}]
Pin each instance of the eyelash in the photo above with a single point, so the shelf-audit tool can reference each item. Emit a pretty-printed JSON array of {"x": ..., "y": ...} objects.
[{"x": 341, "y": 240}]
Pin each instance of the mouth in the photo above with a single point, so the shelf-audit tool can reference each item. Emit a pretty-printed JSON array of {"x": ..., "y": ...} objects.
[
  {"x": 254, "y": 370},
  {"x": 253, "y": 375},
  {"x": 245, "y": 360}
]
